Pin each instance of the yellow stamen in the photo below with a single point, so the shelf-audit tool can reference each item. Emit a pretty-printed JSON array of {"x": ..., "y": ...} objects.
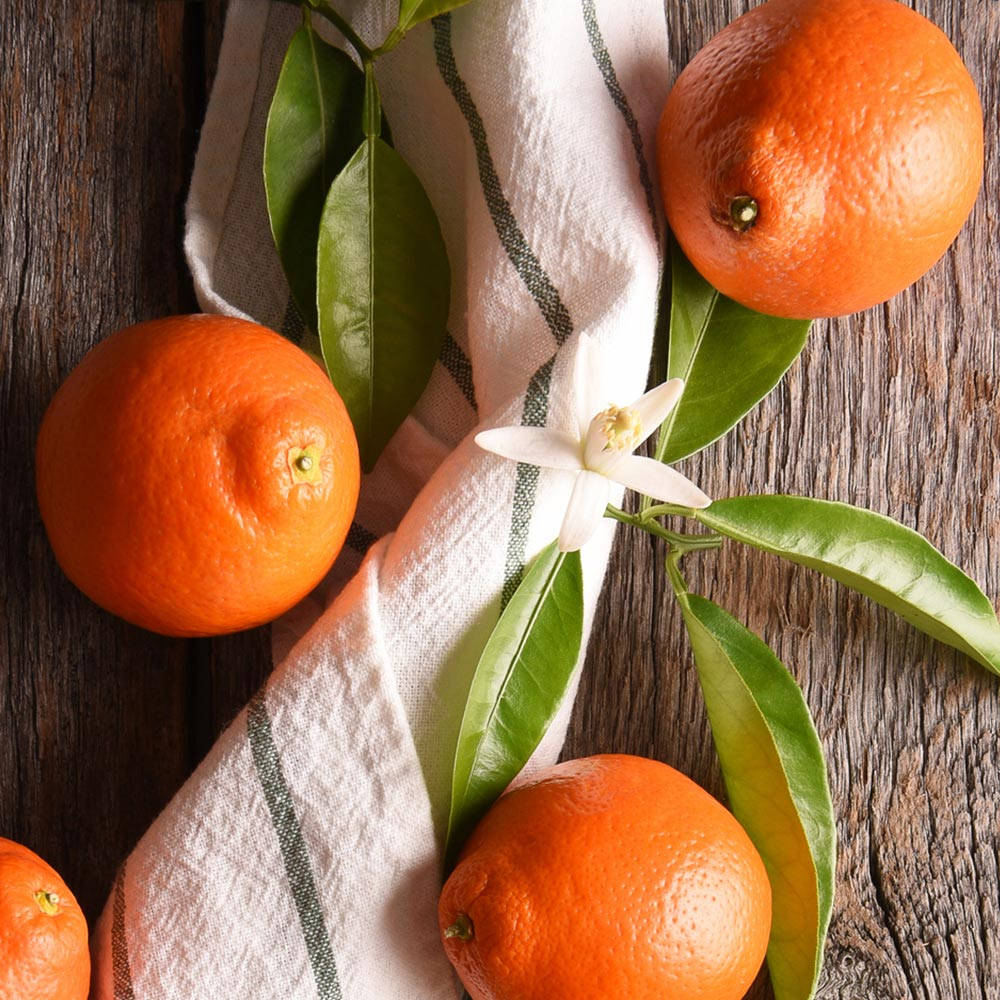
[{"x": 620, "y": 427}]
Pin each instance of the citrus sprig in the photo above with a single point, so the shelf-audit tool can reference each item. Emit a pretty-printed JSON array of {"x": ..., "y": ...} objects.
[
  {"x": 329, "y": 168},
  {"x": 767, "y": 744}
]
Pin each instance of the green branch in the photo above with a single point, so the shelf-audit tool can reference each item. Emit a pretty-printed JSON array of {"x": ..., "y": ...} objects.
[{"x": 646, "y": 521}]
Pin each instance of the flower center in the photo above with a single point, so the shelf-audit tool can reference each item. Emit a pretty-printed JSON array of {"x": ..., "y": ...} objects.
[{"x": 620, "y": 428}]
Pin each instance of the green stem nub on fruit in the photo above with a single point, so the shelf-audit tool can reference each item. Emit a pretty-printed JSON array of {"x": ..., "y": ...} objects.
[
  {"x": 742, "y": 212},
  {"x": 304, "y": 464},
  {"x": 461, "y": 928},
  {"x": 48, "y": 902}
]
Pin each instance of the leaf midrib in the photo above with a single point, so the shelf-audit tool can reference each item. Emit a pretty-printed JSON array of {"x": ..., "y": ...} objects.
[
  {"x": 962, "y": 643},
  {"x": 823, "y": 906},
  {"x": 522, "y": 642},
  {"x": 322, "y": 106},
  {"x": 668, "y": 425}
]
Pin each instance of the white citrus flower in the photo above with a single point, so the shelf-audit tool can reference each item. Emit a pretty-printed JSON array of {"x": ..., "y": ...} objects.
[{"x": 601, "y": 452}]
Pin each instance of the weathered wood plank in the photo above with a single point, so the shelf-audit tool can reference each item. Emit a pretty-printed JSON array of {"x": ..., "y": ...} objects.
[
  {"x": 95, "y": 146},
  {"x": 894, "y": 409}
]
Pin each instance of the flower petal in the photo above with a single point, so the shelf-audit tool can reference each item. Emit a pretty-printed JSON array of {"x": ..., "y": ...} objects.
[
  {"x": 586, "y": 508},
  {"x": 655, "y": 406},
  {"x": 535, "y": 445},
  {"x": 586, "y": 374},
  {"x": 646, "y": 475}
]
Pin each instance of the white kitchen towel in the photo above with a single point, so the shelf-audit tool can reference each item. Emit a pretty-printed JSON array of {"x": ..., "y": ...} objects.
[{"x": 302, "y": 859}]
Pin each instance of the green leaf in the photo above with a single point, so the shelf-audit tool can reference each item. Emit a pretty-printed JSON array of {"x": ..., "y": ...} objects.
[
  {"x": 730, "y": 358},
  {"x": 412, "y": 12},
  {"x": 313, "y": 128},
  {"x": 383, "y": 289},
  {"x": 872, "y": 554},
  {"x": 775, "y": 776},
  {"x": 518, "y": 686}
]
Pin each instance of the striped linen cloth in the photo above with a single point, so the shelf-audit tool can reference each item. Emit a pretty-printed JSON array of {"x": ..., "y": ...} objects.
[{"x": 302, "y": 859}]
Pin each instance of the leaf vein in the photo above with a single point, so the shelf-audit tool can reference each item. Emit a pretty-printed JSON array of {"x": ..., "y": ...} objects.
[{"x": 514, "y": 660}]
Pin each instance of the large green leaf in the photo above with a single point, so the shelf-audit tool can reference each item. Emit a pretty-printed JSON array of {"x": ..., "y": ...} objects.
[
  {"x": 730, "y": 358},
  {"x": 518, "y": 685},
  {"x": 775, "y": 775},
  {"x": 383, "y": 288},
  {"x": 313, "y": 128},
  {"x": 412, "y": 12},
  {"x": 872, "y": 554}
]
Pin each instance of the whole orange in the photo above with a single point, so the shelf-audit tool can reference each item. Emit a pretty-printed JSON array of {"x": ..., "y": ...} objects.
[
  {"x": 43, "y": 933},
  {"x": 818, "y": 156},
  {"x": 609, "y": 876},
  {"x": 196, "y": 474}
]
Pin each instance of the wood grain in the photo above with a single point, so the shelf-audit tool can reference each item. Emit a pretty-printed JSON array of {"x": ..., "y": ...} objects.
[
  {"x": 894, "y": 409},
  {"x": 97, "y": 138}
]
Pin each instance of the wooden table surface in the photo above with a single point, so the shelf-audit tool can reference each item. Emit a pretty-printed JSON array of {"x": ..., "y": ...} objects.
[{"x": 894, "y": 409}]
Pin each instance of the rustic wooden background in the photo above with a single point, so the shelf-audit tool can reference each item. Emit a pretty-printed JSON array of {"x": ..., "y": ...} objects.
[{"x": 895, "y": 409}]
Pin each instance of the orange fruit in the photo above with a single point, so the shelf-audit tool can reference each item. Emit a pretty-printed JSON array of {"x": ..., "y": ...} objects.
[
  {"x": 196, "y": 474},
  {"x": 818, "y": 156},
  {"x": 607, "y": 877},
  {"x": 43, "y": 933}
]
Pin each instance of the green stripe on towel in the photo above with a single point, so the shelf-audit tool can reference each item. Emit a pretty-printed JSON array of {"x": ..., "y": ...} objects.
[
  {"x": 521, "y": 255},
  {"x": 539, "y": 285},
  {"x": 298, "y": 867},
  {"x": 536, "y": 408},
  {"x": 603, "y": 59}
]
